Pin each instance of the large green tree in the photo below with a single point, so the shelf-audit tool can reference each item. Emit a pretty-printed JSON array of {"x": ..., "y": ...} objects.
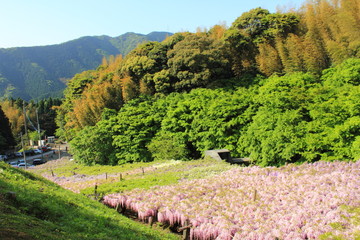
[
  {"x": 94, "y": 144},
  {"x": 253, "y": 29},
  {"x": 196, "y": 61},
  {"x": 275, "y": 134}
]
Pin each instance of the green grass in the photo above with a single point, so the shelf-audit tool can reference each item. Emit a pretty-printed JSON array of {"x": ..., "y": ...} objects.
[
  {"x": 138, "y": 175},
  {"x": 132, "y": 182},
  {"x": 67, "y": 168},
  {"x": 41, "y": 209}
]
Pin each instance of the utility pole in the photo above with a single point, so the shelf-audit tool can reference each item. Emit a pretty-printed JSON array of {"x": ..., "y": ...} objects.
[
  {"x": 22, "y": 144},
  {"x": 38, "y": 125},
  {"x": 26, "y": 132}
]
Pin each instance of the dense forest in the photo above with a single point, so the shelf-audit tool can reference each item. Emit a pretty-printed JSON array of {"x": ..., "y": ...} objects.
[
  {"x": 275, "y": 87},
  {"x": 35, "y": 73}
]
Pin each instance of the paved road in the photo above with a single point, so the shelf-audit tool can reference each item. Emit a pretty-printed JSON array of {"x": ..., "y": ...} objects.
[{"x": 51, "y": 155}]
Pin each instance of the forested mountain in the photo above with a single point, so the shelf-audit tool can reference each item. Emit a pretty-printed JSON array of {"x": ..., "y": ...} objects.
[{"x": 40, "y": 72}]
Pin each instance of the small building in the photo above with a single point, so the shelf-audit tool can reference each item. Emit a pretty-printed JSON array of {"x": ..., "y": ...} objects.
[
  {"x": 219, "y": 154},
  {"x": 224, "y": 154},
  {"x": 51, "y": 139}
]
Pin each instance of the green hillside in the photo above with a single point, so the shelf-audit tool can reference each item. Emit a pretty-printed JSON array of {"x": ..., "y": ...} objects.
[
  {"x": 32, "y": 207},
  {"x": 40, "y": 72}
]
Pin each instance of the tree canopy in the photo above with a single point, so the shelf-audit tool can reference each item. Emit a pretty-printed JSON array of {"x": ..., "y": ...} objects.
[{"x": 293, "y": 118}]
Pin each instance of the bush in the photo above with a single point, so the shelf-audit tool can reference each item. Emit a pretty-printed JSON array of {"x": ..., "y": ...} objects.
[{"x": 167, "y": 145}]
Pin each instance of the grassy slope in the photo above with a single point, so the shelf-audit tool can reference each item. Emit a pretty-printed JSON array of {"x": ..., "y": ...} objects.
[
  {"x": 43, "y": 210},
  {"x": 80, "y": 178}
]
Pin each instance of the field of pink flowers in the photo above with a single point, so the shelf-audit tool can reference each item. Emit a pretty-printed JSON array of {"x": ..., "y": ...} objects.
[{"x": 292, "y": 202}]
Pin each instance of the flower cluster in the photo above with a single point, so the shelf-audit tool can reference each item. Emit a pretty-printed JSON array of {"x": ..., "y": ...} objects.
[{"x": 291, "y": 202}]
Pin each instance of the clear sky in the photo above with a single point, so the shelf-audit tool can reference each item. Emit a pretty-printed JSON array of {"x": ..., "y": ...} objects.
[{"x": 45, "y": 22}]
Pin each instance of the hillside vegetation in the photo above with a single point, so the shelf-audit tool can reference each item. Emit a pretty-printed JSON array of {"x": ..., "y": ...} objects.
[
  {"x": 32, "y": 207},
  {"x": 293, "y": 118},
  {"x": 275, "y": 87},
  {"x": 42, "y": 72}
]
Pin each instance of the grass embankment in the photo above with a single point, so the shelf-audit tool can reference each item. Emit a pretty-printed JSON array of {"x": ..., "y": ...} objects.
[{"x": 32, "y": 207}]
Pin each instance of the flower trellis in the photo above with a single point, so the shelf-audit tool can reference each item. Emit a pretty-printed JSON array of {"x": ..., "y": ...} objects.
[{"x": 290, "y": 202}]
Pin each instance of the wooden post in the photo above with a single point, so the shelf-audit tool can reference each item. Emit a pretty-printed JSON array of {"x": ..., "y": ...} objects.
[
  {"x": 151, "y": 221},
  {"x": 95, "y": 189},
  {"x": 186, "y": 234},
  {"x": 255, "y": 195},
  {"x": 52, "y": 173},
  {"x": 186, "y": 230},
  {"x": 120, "y": 177},
  {"x": 106, "y": 175},
  {"x": 143, "y": 171}
]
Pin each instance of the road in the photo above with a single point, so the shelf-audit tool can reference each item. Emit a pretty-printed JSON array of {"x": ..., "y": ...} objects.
[{"x": 56, "y": 153}]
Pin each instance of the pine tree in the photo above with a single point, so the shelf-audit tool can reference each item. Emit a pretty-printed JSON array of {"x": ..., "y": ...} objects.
[{"x": 7, "y": 138}]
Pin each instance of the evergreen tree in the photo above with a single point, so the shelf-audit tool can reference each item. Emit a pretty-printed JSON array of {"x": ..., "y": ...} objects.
[{"x": 6, "y": 137}]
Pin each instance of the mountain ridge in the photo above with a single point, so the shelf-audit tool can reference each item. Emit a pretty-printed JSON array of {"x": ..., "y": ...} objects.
[
  {"x": 153, "y": 35},
  {"x": 41, "y": 71}
]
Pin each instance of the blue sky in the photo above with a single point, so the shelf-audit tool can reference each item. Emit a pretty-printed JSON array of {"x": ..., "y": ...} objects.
[{"x": 44, "y": 22}]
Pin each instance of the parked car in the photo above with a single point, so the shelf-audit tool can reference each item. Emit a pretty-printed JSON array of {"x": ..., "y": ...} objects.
[
  {"x": 21, "y": 161},
  {"x": 38, "y": 151},
  {"x": 22, "y": 165},
  {"x": 18, "y": 154},
  {"x": 3, "y": 158},
  {"x": 10, "y": 155},
  {"x": 38, "y": 161},
  {"x": 29, "y": 152},
  {"x": 14, "y": 164}
]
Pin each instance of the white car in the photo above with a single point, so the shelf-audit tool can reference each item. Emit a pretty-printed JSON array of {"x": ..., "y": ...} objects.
[
  {"x": 14, "y": 164},
  {"x": 21, "y": 161},
  {"x": 22, "y": 165},
  {"x": 37, "y": 151},
  {"x": 18, "y": 154}
]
